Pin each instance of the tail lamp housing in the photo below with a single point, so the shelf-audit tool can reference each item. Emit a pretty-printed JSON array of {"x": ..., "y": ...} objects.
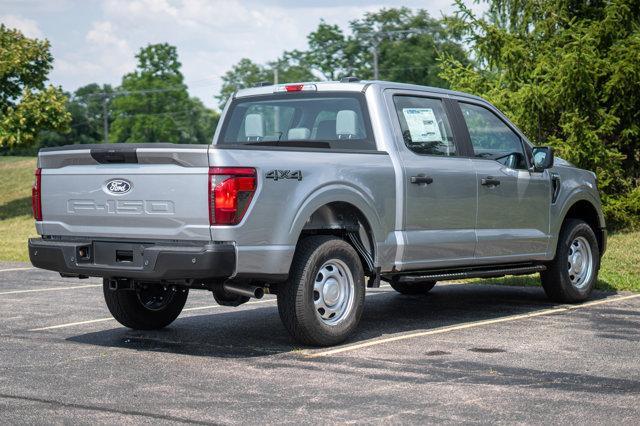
[
  {"x": 36, "y": 195},
  {"x": 231, "y": 190}
]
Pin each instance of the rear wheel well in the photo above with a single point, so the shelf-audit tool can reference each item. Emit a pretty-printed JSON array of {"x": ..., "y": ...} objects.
[
  {"x": 346, "y": 221},
  {"x": 587, "y": 212}
]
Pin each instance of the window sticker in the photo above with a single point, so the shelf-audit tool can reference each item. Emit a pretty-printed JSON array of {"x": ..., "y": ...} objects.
[{"x": 422, "y": 124}]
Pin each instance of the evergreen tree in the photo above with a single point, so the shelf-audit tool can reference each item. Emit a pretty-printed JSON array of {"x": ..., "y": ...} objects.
[{"x": 568, "y": 73}]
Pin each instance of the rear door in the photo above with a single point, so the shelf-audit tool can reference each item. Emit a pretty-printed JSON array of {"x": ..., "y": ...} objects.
[
  {"x": 440, "y": 194},
  {"x": 513, "y": 202},
  {"x": 128, "y": 191}
]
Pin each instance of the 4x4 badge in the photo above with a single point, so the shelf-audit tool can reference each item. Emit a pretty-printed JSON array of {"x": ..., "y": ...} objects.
[{"x": 284, "y": 174}]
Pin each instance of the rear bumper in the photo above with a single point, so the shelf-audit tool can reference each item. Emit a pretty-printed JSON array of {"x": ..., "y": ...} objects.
[{"x": 153, "y": 262}]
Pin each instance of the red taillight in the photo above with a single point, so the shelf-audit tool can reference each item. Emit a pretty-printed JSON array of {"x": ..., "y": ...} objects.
[
  {"x": 230, "y": 192},
  {"x": 36, "y": 196}
]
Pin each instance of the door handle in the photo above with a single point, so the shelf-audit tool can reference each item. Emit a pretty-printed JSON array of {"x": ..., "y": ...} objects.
[
  {"x": 490, "y": 181},
  {"x": 421, "y": 178}
]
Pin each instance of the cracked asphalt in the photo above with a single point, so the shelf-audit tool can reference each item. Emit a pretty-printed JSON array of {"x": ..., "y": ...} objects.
[{"x": 463, "y": 353}]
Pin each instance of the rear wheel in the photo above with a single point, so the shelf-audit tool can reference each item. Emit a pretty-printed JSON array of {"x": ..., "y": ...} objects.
[
  {"x": 421, "y": 287},
  {"x": 147, "y": 308},
  {"x": 573, "y": 273},
  {"x": 322, "y": 302}
]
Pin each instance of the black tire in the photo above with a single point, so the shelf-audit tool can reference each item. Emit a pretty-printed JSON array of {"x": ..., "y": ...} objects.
[
  {"x": 127, "y": 308},
  {"x": 422, "y": 287},
  {"x": 296, "y": 305},
  {"x": 556, "y": 280}
]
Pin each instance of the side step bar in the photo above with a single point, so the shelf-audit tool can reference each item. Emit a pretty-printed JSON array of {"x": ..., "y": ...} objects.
[{"x": 479, "y": 273}]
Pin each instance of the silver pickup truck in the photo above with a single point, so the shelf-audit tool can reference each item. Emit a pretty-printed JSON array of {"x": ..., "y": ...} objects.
[{"x": 313, "y": 192}]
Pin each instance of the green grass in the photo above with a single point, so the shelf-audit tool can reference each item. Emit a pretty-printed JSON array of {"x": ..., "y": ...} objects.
[
  {"x": 620, "y": 265},
  {"x": 16, "y": 222}
]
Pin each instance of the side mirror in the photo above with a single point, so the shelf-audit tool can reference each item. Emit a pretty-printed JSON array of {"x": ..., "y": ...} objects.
[{"x": 542, "y": 158}]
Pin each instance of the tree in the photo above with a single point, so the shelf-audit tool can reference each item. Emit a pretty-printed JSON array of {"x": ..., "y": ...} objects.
[
  {"x": 246, "y": 73},
  {"x": 153, "y": 105},
  {"x": 408, "y": 44},
  {"x": 27, "y": 106},
  {"x": 568, "y": 73},
  {"x": 87, "y": 117},
  {"x": 330, "y": 53}
]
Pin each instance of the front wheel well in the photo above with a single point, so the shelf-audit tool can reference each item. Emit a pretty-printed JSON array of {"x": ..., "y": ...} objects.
[{"x": 587, "y": 212}]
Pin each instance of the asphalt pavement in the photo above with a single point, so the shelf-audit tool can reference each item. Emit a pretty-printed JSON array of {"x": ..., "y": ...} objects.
[{"x": 463, "y": 353}]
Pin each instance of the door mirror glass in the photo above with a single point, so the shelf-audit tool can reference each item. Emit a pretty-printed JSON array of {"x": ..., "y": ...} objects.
[{"x": 542, "y": 158}]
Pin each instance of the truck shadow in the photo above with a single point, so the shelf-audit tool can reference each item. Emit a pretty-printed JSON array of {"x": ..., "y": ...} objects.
[
  {"x": 15, "y": 208},
  {"x": 258, "y": 332}
]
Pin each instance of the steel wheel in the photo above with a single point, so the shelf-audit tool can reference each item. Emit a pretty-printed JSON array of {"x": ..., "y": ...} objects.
[
  {"x": 572, "y": 275},
  {"x": 580, "y": 262},
  {"x": 322, "y": 301},
  {"x": 333, "y": 292}
]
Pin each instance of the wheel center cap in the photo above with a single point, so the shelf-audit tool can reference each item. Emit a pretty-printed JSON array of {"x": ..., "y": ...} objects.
[
  {"x": 577, "y": 262},
  {"x": 331, "y": 291}
]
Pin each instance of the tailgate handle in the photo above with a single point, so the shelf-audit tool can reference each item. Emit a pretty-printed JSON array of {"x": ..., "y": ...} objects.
[{"x": 114, "y": 155}]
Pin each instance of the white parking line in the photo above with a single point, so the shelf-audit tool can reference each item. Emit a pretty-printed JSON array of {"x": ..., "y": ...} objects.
[
  {"x": 50, "y": 289},
  {"x": 16, "y": 269},
  {"x": 375, "y": 342},
  {"x": 71, "y": 324},
  {"x": 196, "y": 308}
]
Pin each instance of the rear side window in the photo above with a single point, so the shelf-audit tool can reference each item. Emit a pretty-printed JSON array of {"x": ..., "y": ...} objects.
[
  {"x": 492, "y": 138},
  {"x": 425, "y": 127},
  {"x": 318, "y": 120}
]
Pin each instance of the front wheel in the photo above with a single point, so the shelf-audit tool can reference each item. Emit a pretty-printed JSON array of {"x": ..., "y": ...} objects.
[
  {"x": 150, "y": 307},
  {"x": 322, "y": 302},
  {"x": 572, "y": 275}
]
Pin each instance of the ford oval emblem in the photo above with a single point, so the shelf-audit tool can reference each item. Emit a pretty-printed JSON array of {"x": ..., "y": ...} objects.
[{"x": 118, "y": 186}]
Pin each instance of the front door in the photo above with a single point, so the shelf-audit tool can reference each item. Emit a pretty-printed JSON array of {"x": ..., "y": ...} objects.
[
  {"x": 439, "y": 186},
  {"x": 513, "y": 202}
]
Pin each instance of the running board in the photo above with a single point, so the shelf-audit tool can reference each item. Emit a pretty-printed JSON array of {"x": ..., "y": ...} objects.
[{"x": 482, "y": 273}]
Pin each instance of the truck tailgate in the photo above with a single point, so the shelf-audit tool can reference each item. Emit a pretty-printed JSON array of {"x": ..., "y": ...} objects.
[{"x": 128, "y": 191}]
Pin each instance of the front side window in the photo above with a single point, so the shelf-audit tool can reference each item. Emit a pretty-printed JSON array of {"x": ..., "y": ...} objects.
[
  {"x": 318, "y": 120},
  {"x": 492, "y": 138},
  {"x": 425, "y": 127}
]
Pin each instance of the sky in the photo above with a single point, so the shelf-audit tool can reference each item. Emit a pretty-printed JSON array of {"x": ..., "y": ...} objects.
[{"x": 95, "y": 41}]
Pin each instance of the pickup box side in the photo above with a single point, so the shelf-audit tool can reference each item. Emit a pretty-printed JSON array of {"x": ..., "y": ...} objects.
[{"x": 266, "y": 238}]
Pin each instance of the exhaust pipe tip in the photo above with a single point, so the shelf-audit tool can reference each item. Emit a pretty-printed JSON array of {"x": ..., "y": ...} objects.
[
  {"x": 258, "y": 293},
  {"x": 244, "y": 290}
]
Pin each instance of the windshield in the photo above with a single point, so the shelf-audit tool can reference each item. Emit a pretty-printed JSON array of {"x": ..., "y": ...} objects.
[{"x": 312, "y": 120}]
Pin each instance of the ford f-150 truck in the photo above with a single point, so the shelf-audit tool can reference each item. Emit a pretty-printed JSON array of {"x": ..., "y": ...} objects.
[{"x": 314, "y": 192}]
